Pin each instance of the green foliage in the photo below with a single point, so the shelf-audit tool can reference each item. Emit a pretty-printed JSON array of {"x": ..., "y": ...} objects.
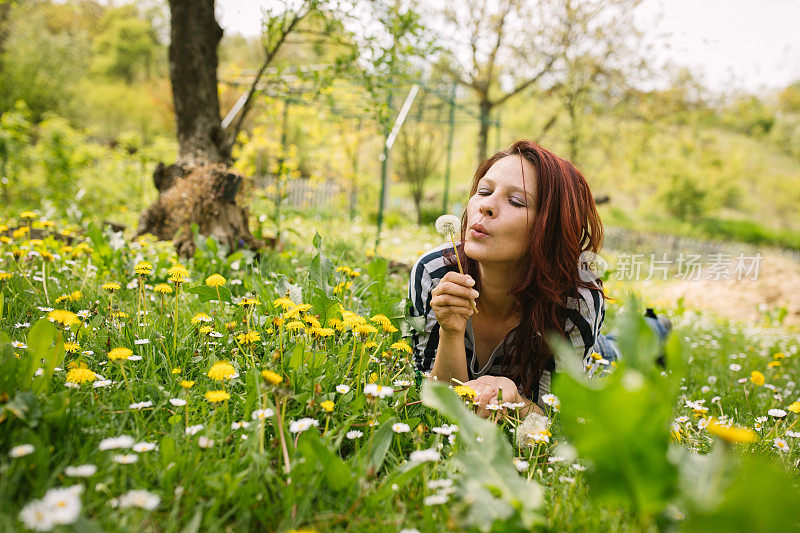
[
  {"x": 126, "y": 46},
  {"x": 490, "y": 483}
]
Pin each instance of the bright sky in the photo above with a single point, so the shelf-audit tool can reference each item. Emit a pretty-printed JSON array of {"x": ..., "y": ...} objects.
[{"x": 748, "y": 44}]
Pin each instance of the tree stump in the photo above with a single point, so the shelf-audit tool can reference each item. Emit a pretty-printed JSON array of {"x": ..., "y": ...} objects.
[{"x": 209, "y": 195}]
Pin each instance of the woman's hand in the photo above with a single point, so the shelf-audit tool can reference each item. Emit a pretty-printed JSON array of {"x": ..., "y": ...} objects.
[
  {"x": 451, "y": 301},
  {"x": 487, "y": 389}
]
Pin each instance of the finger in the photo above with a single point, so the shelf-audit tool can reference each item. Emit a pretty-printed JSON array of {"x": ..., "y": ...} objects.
[
  {"x": 462, "y": 279},
  {"x": 450, "y": 300},
  {"x": 454, "y": 289}
]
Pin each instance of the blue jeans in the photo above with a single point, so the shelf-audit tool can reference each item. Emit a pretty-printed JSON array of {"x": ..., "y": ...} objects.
[{"x": 606, "y": 345}]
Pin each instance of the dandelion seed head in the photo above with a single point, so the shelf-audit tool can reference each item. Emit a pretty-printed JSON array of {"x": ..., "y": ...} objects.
[{"x": 447, "y": 225}]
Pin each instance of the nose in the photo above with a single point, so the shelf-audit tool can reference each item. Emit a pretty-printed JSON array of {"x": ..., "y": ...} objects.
[{"x": 487, "y": 207}]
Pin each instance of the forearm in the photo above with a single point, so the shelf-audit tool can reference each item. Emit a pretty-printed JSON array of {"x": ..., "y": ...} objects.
[{"x": 451, "y": 358}]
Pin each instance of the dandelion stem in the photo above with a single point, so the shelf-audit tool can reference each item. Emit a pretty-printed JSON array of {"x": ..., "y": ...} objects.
[
  {"x": 44, "y": 282},
  {"x": 279, "y": 419},
  {"x": 461, "y": 270}
]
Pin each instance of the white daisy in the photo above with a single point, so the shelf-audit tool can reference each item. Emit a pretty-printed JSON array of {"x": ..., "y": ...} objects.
[
  {"x": 261, "y": 414},
  {"x": 80, "y": 471},
  {"x": 423, "y": 456},
  {"x": 298, "y": 426},
  {"x": 113, "y": 443},
  {"x": 21, "y": 451},
  {"x": 125, "y": 458},
  {"x": 139, "y": 498},
  {"x": 141, "y": 447},
  {"x": 354, "y": 434},
  {"x": 400, "y": 427}
]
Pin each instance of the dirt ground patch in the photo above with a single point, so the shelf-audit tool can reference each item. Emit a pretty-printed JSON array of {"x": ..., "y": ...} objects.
[{"x": 777, "y": 284}]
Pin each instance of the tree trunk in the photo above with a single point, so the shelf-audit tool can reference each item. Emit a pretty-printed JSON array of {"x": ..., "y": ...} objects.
[
  {"x": 194, "y": 37},
  {"x": 485, "y": 108},
  {"x": 199, "y": 188}
]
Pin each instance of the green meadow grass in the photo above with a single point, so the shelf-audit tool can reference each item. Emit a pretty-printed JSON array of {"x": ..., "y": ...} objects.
[{"x": 630, "y": 451}]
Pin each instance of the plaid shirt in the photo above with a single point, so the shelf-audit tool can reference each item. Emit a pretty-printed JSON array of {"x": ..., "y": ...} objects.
[{"x": 584, "y": 317}]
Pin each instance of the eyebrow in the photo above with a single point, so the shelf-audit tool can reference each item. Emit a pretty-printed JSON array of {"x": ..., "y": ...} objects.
[{"x": 490, "y": 181}]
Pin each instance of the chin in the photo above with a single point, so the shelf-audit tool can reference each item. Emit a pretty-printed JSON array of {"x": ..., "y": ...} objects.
[{"x": 472, "y": 250}]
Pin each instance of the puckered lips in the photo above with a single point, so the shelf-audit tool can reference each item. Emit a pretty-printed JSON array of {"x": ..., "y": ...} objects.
[{"x": 478, "y": 231}]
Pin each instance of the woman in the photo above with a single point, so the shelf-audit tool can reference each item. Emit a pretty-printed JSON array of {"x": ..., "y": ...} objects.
[{"x": 529, "y": 217}]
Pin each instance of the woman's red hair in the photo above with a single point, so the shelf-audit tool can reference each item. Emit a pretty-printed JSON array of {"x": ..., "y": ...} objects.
[{"x": 566, "y": 224}]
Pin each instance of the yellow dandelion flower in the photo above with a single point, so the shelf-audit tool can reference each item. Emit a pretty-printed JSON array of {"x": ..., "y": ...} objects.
[
  {"x": 383, "y": 320},
  {"x": 774, "y": 364},
  {"x": 336, "y": 324},
  {"x": 35, "y": 242},
  {"x": 215, "y": 396},
  {"x": 370, "y": 344},
  {"x": 80, "y": 375},
  {"x": 271, "y": 377},
  {"x": 215, "y": 280},
  {"x": 327, "y": 406},
  {"x": 46, "y": 255},
  {"x": 322, "y": 332},
  {"x": 163, "y": 288},
  {"x": 731, "y": 434},
  {"x": 221, "y": 370},
  {"x": 278, "y": 322},
  {"x": 74, "y": 296},
  {"x": 295, "y": 325},
  {"x": 176, "y": 370},
  {"x": 779, "y": 355},
  {"x": 66, "y": 318},
  {"x": 186, "y": 384},
  {"x": 61, "y": 298},
  {"x": 72, "y": 347},
  {"x": 365, "y": 329},
  {"x": 47, "y": 223},
  {"x": 401, "y": 346},
  {"x": 28, "y": 214},
  {"x": 119, "y": 314},
  {"x": 177, "y": 278},
  {"x": 284, "y": 303},
  {"x": 231, "y": 325},
  {"x": 120, "y": 353},
  {"x": 248, "y": 338},
  {"x": 465, "y": 392},
  {"x": 4, "y": 276},
  {"x": 5, "y": 239},
  {"x": 794, "y": 407},
  {"x": 344, "y": 269},
  {"x": 200, "y": 317},
  {"x": 143, "y": 268},
  {"x": 111, "y": 286},
  {"x": 757, "y": 377},
  {"x": 204, "y": 330},
  {"x": 312, "y": 321},
  {"x": 245, "y": 302},
  {"x": 178, "y": 270},
  {"x": 355, "y": 274}
]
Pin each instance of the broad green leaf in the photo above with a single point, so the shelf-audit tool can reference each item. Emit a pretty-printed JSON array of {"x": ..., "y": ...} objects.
[
  {"x": 489, "y": 482},
  {"x": 337, "y": 473},
  {"x": 206, "y": 294},
  {"x": 374, "y": 453},
  {"x": 761, "y": 497},
  {"x": 620, "y": 426}
]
